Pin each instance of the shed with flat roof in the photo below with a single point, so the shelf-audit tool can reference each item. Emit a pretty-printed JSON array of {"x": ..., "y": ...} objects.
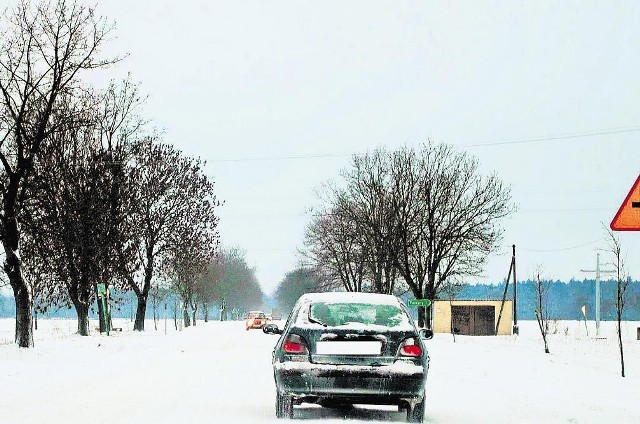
[{"x": 472, "y": 317}]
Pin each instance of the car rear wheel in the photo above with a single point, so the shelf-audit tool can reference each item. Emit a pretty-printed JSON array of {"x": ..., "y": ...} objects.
[
  {"x": 284, "y": 406},
  {"x": 415, "y": 413}
]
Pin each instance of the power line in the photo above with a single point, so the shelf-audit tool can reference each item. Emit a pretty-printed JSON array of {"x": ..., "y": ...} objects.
[
  {"x": 619, "y": 130},
  {"x": 564, "y": 248},
  {"x": 564, "y": 210},
  {"x": 557, "y": 137}
]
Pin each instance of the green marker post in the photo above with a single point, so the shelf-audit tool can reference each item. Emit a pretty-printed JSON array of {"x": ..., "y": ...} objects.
[
  {"x": 102, "y": 295},
  {"x": 421, "y": 303}
]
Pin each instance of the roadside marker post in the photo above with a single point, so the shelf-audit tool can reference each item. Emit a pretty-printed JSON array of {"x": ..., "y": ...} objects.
[
  {"x": 103, "y": 296},
  {"x": 421, "y": 302}
]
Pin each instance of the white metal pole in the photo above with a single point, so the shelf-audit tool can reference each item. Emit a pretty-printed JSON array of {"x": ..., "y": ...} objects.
[{"x": 598, "y": 271}]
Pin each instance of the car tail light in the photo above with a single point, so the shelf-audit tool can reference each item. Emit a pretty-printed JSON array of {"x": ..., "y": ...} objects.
[
  {"x": 295, "y": 345},
  {"x": 410, "y": 348}
]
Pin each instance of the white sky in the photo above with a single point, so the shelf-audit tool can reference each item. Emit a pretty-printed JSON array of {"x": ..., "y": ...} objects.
[{"x": 233, "y": 81}]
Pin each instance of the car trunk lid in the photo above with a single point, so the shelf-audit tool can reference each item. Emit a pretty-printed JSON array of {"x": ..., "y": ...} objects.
[{"x": 349, "y": 347}]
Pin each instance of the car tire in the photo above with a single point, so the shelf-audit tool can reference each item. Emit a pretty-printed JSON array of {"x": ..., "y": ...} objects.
[
  {"x": 415, "y": 413},
  {"x": 284, "y": 406}
]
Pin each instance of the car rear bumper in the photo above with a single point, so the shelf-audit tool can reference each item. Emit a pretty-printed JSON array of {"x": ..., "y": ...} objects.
[{"x": 355, "y": 383}]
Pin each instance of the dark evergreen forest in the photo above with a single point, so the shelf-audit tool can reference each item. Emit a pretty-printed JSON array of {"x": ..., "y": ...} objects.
[{"x": 564, "y": 300}]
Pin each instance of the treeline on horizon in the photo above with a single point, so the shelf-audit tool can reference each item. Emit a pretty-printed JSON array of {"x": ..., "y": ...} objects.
[{"x": 564, "y": 301}]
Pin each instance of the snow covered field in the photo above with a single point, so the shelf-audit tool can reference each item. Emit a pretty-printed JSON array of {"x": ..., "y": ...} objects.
[{"x": 218, "y": 372}]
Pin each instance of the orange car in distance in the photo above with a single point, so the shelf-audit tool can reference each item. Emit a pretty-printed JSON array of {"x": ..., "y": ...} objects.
[{"x": 255, "y": 319}]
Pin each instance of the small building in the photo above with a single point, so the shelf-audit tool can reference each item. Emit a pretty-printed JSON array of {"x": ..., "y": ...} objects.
[{"x": 472, "y": 317}]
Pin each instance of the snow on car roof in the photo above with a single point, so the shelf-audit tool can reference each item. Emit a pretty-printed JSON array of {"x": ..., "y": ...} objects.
[{"x": 351, "y": 297}]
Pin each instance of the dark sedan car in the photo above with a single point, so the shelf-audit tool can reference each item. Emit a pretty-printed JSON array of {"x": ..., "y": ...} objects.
[{"x": 350, "y": 348}]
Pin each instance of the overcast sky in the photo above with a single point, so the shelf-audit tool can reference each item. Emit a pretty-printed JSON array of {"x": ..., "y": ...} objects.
[{"x": 277, "y": 95}]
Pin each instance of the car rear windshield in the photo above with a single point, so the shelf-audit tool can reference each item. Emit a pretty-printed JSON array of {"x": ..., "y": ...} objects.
[{"x": 337, "y": 314}]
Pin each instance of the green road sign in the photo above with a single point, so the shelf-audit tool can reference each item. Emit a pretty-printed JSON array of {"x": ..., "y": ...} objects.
[
  {"x": 419, "y": 302},
  {"x": 102, "y": 289}
]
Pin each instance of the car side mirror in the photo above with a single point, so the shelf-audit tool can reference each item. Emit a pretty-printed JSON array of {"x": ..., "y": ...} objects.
[
  {"x": 271, "y": 329},
  {"x": 426, "y": 334}
]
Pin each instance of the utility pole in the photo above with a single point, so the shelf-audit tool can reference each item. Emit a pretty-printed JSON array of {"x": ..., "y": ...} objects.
[
  {"x": 512, "y": 271},
  {"x": 515, "y": 293},
  {"x": 598, "y": 272}
]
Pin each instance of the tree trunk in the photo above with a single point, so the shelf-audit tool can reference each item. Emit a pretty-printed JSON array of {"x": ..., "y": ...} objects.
[
  {"x": 425, "y": 317},
  {"x": 175, "y": 315},
  {"x": 21, "y": 290},
  {"x": 102, "y": 317},
  {"x": 619, "y": 322},
  {"x": 542, "y": 323},
  {"x": 620, "y": 345},
  {"x": 82, "y": 311},
  {"x": 24, "y": 329},
  {"x": 140, "y": 312},
  {"x": 185, "y": 316},
  {"x": 142, "y": 296},
  {"x": 421, "y": 317},
  {"x": 155, "y": 317}
]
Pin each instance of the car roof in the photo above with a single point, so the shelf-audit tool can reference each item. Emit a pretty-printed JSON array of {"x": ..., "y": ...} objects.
[{"x": 350, "y": 297}]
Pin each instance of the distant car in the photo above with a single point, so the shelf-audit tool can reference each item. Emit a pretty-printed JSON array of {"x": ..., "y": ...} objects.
[
  {"x": 338, "y": 349},
  {"x": 255, "y": 319}
]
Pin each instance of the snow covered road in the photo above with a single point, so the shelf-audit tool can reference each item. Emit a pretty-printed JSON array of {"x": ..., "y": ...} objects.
[{"x": 218, "y": 372}]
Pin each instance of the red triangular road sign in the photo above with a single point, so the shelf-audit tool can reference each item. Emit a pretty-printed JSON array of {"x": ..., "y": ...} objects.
[{"x": 628, "y": 216}]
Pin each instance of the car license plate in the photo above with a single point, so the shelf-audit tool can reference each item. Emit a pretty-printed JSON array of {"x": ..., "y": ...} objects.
[{"x": 363, "y": 347}]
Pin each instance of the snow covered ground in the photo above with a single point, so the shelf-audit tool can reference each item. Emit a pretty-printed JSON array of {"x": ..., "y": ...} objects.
[{"x": 218, "y": 372}]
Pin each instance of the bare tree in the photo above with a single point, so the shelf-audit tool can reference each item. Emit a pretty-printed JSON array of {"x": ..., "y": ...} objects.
[
  {"x": 186, "y": 263},
  {"x": 43, "y": 49},
  {"x": 425, "y": 215},
  {"x": 172, "y": 195},
  {"x": 541, "y": 311},
  {"x": 74, "y": 222},
  {"x": 622, "y": 283},
  {"x": 61, "y": 232},
  {"x": 232, "y": 282},
  {"x": 335, "y": 252},
  {"x": 449, "y": 222},
  {"x": 158, "y": 294},
  {"x": 352, "y": 239},
  {"x": 367, "y": 203},
  {"x": 295, "y": 284}
]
